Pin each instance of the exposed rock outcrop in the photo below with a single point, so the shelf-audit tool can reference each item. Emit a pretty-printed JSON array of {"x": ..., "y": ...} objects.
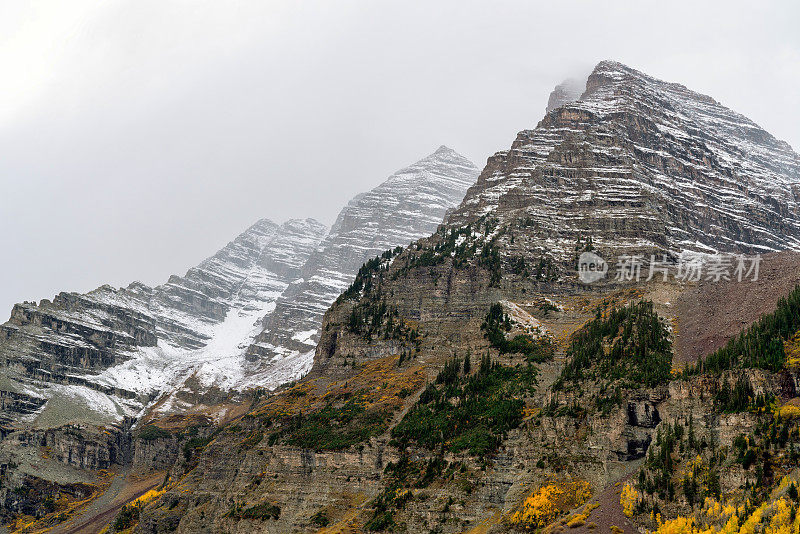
[
  {"x": 638, "y": 165},
  {"x": 428, "y": 408},
  {"x": 75, "y": 371},
  {"x": 107, "y": 353},
  {"x": 641, "y": 165},
  {"x": 567, "y": 91},
  {"x": 410, "y": 204}
]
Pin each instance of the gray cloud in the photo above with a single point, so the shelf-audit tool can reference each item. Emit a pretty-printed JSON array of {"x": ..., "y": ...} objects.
[{"x": 137, "y": 137}]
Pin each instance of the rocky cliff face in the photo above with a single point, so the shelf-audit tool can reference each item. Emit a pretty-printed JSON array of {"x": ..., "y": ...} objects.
[
  {"x": 468, "y": 383},
  {"x": 643, "y": 164},
  {"x": 567, "y": 91},
  {"x": 77, "y": 371},
  {"x": 410, "y": 204},
  {"x": 100, "y": 357},
  {"x": 392, "y": 429},
  {"x": 113, "y": 351}
]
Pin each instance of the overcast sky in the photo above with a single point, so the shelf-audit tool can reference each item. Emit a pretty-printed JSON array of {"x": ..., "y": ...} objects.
[{"x": 137, "y": 137}]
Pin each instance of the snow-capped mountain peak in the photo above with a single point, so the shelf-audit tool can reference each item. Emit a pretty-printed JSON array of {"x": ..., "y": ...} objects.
[
  {"x": 408, "y": 205},
  {"x": 644, "y": 164},
  {"x": 123, "y": 350}
]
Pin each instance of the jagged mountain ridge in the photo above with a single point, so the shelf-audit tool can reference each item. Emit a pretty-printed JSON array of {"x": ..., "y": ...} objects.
[
  {"x": 644, "y": 164},
  {"x": 410, "y": 204},
  {"x": 114, "y": 351},
  {"x": 117, "y": 349},
  {"x": 444, "y": 285},
  {"x": 75, "y": 373},
  {"x": 298, "y": 461},
  {"x": 567, "y": 91}
]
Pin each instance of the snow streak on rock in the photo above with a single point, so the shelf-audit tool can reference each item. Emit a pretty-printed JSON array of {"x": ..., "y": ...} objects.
[
  {"x": 123, "y": 348},
  {"x": 112, "y": 353},
  {"x": 642, "y": 164},
  {"x": 409, "y": 205}
]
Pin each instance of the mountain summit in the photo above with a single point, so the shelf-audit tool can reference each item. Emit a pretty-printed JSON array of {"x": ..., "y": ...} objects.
[
  {"x": 462, "y": 378},
  {"x": 408, "y": 205},
  {"x": 468, "y": 382},
  {"x": 644, "y": 164},
  {"x": 112, "y": 355}
]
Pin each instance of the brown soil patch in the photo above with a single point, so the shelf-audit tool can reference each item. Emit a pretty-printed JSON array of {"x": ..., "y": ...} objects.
[
  {"x": 106, "y": 508},
  {"x": 710, "y": 314},
  {"x": 609, "y": 513}
]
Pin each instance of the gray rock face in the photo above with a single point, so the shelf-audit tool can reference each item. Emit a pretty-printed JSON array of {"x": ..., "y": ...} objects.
[
  {"x": 635, "y": 163},
  {"x": 85, "y": 448},
  {"x": 410, "y": 204},
  {"x": 250, "y": 269},
  {"x": 75, "y": 371},
  {"x": 105, "y": 354},
  {"x": 567, "y": 91},
  {"x": 638, "y": 164},
  {"x": 629, "y": 165}
]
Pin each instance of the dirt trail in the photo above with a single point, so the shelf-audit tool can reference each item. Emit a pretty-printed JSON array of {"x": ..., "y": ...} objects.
[
  {"x": 123, "y": 489},
  {"x": 608, "y": 514}
]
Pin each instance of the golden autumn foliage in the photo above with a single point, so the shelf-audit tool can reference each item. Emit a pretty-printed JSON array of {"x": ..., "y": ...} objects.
[
  {"x": 65, "y": 506},
  {"x": 792, "y": 349},
  {"x": 788, "y": 411},
  {"x": 772, "y": 517},
  {"x": 151, "y": 495},
  {"x": 547, "y": 503},
  {"x": 628, "y": 499},
  {"x": 381, "y": 381},
  {"x": 579, "y": 519}
]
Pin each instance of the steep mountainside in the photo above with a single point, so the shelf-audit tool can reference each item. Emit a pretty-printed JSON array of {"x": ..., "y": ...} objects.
[
  {"x": 76, "y": 373},
  {"x": 643, "y": 164},
  {"x": 470, "y": 383},
  {"x": 115, "y": 351},
  {"x": 567, "y": 91},
  {"x": 410, "y": 204},
  {"x": 112, "y": 351}
]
